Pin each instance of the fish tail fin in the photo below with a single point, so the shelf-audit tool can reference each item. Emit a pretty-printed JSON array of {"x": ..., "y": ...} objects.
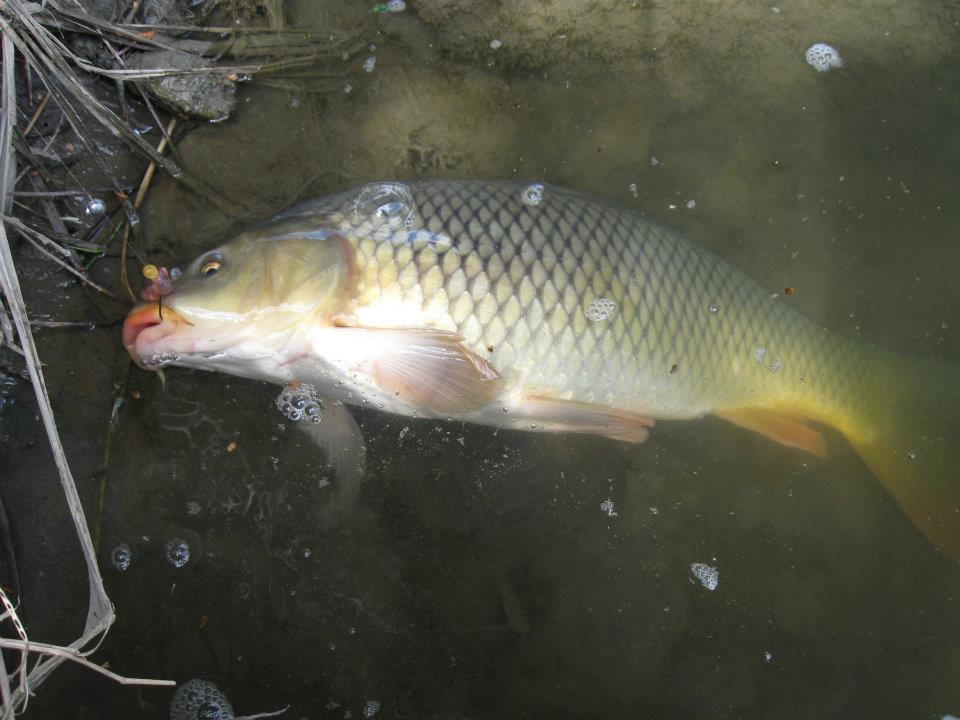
[{"x": 908, "y": 434}]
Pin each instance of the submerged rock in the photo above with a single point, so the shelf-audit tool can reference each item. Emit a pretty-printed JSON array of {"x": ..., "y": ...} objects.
[{"x": 210, "y": 96}]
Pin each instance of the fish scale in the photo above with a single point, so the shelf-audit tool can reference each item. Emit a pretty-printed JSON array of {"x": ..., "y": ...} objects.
[{"x": 516, "y": 280}]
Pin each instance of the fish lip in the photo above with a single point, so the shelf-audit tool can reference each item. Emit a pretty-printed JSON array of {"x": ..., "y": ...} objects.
[{"x": 145, "y": 325}]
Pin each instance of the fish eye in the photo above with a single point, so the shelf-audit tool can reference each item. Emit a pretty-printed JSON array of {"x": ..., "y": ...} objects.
[{"x": 210, "y": 267}]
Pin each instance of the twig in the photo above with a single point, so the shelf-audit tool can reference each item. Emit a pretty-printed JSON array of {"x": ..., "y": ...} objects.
[
  {"x": 148, "y": 175},
  {"x": 11, "y": 613},
  {"x": 137, "y": 201},
  {"x": 53, "y": 217},
  {"x": 54, "y": 193},
  {"x": 6, "y": 328},
  {"x": 69, "y": 268},
  {"x": 123, "y": 264},
  {"x": 74, "y": 655},
  {"x": 70, "y": 323},
  {"x": 36, "y": 114},
  {"x": 100, "y": 613},
  {"x": 43, "y": 50},
  {"x": 27, "y": 230},
  {"x": 27, "y": 209},
  {"x": 275, "y": 713},
  {"x": 6, "y": 542}
]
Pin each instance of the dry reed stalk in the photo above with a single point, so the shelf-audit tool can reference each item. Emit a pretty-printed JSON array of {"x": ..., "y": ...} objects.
[{"x": 100, "y": 613}]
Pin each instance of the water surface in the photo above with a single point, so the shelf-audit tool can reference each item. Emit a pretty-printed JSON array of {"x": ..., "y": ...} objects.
[{"x": 482, "y": 575}]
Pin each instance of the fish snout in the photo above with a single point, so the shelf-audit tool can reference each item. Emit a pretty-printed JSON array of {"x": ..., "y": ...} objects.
[{"x": 146, "y": 324}]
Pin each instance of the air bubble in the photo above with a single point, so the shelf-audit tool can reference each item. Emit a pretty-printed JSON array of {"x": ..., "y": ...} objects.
[
  {"x": 300, "y": 403},
  {"x": 370, "y": 709},
  {"x": 200, "y": 699},
  {"x": 95, "y": 207},
  {"x": 708, "y": 576},
  {"x": 821, "y": 57},
  {"x": 632, "y": 187},
  {"x": 600, "y": 309},
  {"x": 532, "y": 195},
  {"x": 761, "y": 355},
  {"x": 210, "y": 711},
  {"x": 714, "y": 307},
  {"x": 912, "y": 455},
  {"x": 385, "y": 205},
  {"x": 177, "y": 552},
  {"x": 496, "y": 44},
  {"x": 175, "y": 273},
  {"x": 120, "y": 557},
  {"x": 396, "y": 6},
  {"x": 370, "y": 64}
]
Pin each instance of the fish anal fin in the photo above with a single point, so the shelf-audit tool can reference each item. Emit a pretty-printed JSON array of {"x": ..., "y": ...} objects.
[
  {"x": 555, "y": 415},
  {"x": 431, "y": 370},
  {"x": 785, "y": 429}
]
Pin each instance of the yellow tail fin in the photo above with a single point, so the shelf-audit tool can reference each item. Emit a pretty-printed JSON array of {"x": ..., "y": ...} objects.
[{"x": 911, "y": 442}]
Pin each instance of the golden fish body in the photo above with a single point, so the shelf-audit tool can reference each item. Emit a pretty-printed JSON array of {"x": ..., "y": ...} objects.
[
  {"x": 575, "y": 299},
  {"x": 538, "y": 308}
]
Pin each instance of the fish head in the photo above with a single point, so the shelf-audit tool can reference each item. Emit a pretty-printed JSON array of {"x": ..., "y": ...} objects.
[{"x": 241, "y": 307}]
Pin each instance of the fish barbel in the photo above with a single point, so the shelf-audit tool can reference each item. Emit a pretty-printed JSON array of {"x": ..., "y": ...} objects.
[{"x": 535, "y": 307}]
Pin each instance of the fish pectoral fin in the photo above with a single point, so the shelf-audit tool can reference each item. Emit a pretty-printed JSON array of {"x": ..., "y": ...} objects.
[
  {"x": 431, "y": 370},
  {"x": 784, "y": 429},
  {"x": 339, "y": 437},
  {"x": 571, "y": 416}
]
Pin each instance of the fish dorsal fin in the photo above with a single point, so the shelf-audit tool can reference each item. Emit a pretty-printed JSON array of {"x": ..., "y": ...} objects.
[
  {"x": 431, "y": 370},
  {"x": 784, "y": 429},
  {"x": 571, "y": 416}
]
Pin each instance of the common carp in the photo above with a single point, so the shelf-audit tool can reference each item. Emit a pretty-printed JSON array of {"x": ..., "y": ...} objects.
[{"x": 535, "y": 307}]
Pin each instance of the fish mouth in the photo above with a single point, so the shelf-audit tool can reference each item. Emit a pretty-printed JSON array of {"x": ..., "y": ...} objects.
[{"x": 145, "y": 326}]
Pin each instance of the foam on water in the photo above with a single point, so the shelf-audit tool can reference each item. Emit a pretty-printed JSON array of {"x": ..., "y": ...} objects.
[
  {"x": 385, "y": 206},
  {"x": 708, "y": 576},
  {"x": 200, "y": 699},
  {"x": 300, "y": 403},
  {"x": 120, "y": 557},
  {"x": 600, "y": 309},
  {"x": 821, "y": 57},
  {"x": 532, "y": 195},
  {"x": 177, "y": 552}
]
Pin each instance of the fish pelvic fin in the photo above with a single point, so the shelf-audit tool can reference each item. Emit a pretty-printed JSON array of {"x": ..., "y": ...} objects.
[
  {"x": 912, "y": 444},
  {"x": 777, "y": 426},
  {"x": 554, "y": 415}
]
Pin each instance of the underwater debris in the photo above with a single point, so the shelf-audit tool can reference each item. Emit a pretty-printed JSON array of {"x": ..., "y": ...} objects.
[{"x": 207, "y": 96}]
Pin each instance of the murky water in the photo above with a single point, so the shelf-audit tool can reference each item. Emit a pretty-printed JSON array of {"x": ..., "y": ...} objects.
[{"x": 494, "y": 574}]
